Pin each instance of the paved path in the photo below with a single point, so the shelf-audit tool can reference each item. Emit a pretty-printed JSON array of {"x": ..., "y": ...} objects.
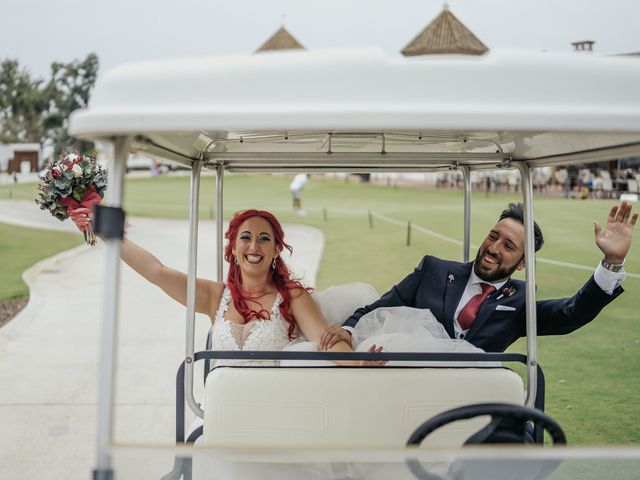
[{"x": 49, "y": 352}]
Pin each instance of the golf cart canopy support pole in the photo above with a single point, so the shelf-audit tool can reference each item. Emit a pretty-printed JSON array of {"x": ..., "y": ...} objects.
[
  {"x": 466, "y": 172},
  {"x": 191, "y": 287},
  {"x": 530, "y": 285},
  {"x": 219, "y": 221},
  {"x": 111, "y": 297}
]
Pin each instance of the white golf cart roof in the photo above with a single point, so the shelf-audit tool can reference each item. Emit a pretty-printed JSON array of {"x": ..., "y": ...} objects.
[{"x": 261, "y": 111}]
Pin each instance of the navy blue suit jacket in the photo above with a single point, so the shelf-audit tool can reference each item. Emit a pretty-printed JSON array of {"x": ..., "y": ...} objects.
[{"x": 438, "y": 285}]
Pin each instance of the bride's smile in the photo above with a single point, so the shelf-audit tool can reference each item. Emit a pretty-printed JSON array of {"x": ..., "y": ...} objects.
[{"x": 253, "y": 258}]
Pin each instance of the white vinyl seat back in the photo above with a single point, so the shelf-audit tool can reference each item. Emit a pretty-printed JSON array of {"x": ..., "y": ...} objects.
[
  {"x": 346, "y": 408},
  {"x": 338, "y": 302},
  {"x": 632, "y": 186}
]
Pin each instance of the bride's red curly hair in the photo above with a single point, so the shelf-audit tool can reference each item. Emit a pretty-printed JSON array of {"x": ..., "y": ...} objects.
[{"x": 280, "y": 276}]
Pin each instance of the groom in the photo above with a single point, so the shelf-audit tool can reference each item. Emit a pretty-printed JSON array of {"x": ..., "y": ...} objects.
[{"x": 480, "y": 302}]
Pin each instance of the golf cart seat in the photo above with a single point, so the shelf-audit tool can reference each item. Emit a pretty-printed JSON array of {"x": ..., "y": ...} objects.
[{"x": 361, "y": 407}]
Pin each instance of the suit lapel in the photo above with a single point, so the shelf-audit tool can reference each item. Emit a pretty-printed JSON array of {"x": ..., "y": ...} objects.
[{"x": 456, "y": 281}]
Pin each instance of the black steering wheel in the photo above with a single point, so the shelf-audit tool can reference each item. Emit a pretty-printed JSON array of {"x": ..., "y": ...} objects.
[{"x": 508, "y": 425}]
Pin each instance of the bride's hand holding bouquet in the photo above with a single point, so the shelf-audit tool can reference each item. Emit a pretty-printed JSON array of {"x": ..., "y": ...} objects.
[{"x": 70, "y": 187}]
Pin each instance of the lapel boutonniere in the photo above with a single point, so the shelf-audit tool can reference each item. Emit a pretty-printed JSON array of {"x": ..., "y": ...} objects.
[{"x": 507, "y": 291}]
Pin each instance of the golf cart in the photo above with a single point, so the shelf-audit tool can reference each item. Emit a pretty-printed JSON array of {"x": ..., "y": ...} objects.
[{"x": 353, "y": 111}]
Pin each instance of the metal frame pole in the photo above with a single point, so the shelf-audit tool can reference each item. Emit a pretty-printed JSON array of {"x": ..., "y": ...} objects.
[
  {"x": 191, "y": 286},
  {"x": 466, "y": 173},
  {"x": 530, "y": 263},
  {"x": 219, "y": 221},
  {"x": 109, "y": 328}
]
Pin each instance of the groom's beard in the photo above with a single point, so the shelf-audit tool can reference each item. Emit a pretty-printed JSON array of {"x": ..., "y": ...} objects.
[{"x": 500, "y": 273}]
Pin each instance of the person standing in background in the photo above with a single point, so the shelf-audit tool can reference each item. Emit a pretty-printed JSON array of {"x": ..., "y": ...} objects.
[{"x": 298, "y": 183}]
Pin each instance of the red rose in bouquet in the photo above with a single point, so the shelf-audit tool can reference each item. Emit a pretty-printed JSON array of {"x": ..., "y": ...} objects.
[{"x": 73, "y": 181}]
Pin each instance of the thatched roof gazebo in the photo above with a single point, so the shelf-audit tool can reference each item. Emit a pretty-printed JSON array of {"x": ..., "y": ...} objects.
[
  {"x": 446, "y": 34},
  {"x": 281, "y": 40}
]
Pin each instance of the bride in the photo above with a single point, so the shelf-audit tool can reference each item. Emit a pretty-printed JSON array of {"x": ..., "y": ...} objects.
[{"x": 260, "y": 307}]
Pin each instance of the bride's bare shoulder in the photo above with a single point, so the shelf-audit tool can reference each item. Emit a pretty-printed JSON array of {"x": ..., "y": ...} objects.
[{"x": 298, "y": 293}]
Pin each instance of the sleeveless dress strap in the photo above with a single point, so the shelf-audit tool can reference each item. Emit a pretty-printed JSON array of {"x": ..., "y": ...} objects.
[
  {"x": 224, "y": 303},
  {"x": 275, "y": 308}
]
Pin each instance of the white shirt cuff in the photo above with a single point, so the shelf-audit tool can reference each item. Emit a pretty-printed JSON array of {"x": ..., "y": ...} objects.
[
  {"x": 607, "y": 280},
  {"x": 349, "y": 329}
]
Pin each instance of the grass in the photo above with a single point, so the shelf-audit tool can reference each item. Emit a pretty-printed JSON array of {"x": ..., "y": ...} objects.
[
  {"x": 591, "y": 374},
  {"x": 22, "y": 247}
]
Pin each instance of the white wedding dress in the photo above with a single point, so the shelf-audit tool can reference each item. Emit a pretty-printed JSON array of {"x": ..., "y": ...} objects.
[
  {"x": 398, "y": 329},
  {"x": 395, "y": 329},
  {"x": 271, "y": 334}
]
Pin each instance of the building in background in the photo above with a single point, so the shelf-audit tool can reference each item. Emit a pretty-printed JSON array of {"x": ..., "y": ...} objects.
[
  {"x": 20, "y": 158},
  {"x": 281, "y": 40},
  {"x": 445, "y": 35}
]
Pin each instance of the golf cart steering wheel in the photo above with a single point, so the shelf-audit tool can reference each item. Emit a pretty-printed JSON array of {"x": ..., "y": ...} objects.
[
  {"x": 507, "y": 425},
  {"x": 502, "y": 415}
]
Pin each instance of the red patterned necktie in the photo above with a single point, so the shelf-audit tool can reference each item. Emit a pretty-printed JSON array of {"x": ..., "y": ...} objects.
[{"x": 470, "y": 311}]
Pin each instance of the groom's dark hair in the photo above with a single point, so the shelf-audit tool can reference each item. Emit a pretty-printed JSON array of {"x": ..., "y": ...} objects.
[{"x": 516, "y": 212}]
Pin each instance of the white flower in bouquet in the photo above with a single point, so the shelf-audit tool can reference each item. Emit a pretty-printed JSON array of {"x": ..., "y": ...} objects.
[{"x": 77, "y": 171}]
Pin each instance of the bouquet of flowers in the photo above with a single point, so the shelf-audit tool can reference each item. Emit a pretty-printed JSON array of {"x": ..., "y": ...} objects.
[{"x": 73, "y": 181}]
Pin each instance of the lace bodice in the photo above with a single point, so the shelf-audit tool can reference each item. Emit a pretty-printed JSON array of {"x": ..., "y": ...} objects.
[{"x": 271, "y": 334}]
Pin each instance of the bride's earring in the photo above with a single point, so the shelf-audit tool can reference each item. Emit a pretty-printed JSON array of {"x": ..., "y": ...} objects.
[
  {"x": 273, "y": 264},
  {"x": 235, "y": 260}
]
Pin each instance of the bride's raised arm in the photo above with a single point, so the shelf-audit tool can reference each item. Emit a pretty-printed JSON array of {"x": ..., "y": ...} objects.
[{"x": 172, "y": 282}]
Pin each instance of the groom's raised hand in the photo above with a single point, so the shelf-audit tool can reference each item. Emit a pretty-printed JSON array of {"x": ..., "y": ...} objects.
[
  {"x": 333, "y": 335},
  {"x": 615, "y": 238}
]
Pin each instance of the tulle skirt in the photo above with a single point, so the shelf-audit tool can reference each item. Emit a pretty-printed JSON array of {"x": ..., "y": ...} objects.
[{"x": 398, "y": 329}]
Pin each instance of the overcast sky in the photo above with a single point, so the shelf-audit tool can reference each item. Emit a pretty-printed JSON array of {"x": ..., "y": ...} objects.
[{"x": 38, "y": 32}]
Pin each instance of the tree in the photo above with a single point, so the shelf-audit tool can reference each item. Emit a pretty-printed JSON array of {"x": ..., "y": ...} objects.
[
  {"x": 69, "y": 89},
  {"x": 23, "y": 105},
  {"x": 37, "y": 112}
]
